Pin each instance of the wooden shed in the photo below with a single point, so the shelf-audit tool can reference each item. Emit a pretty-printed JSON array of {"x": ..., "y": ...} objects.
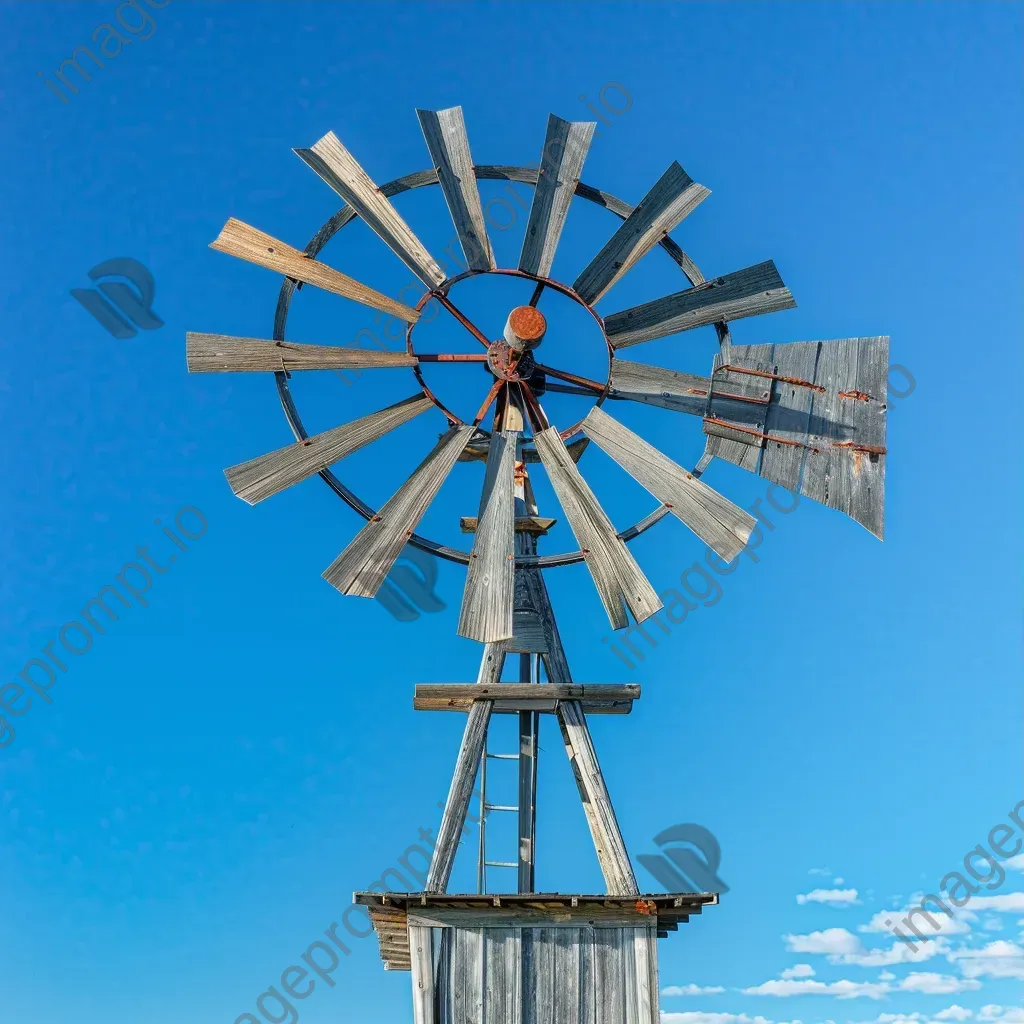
[{"x": 536, "y": 958}]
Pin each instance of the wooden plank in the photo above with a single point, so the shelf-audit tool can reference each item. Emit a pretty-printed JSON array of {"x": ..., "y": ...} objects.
[
  {"x": 645, "y": 958},
  {"x": 749, "y": 292},
  {"x": 741, "y": 449},
  {"x": 269, "y": 474},
  {"x": 248, "y": 243},
  {"x": 554, "y": 691},
  {"x": 604, "y": 826},
  {"x": 674, "y": 196},
  {"x": 445, "y": 134},
  {"x": 478, "y": 452},
  {"x": 655, "y": 385},
  {"x": 467, "y": 976},
  {"x": 487, "y": 599},
  {"x": 360, "y": 569},
  {"x": 523, "y": 524},
  {"x": 565, "y": 148},
  {"x": 422, "y": 965},
  {"x": 789, "y": 415},
  {"x": 539, "y": 980},
  {"x": 846, "y": 419},
  {"x": 619, "y": 580},
  {"x": 566, "y": 971},
  {"x": 504, "y": 917},
  {"x": 610, "y": 976},
  {"x": 723, "y": 526},
  {"x": 343, "y": 173},
  {"x": 503, "y": 989},
  {"x": 508, "y": 707},
  {"x": 454, "y": 817},
  {"x": 220, "y": 353}
]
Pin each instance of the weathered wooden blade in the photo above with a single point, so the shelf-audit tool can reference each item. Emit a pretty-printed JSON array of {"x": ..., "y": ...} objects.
[
  {"x": 445, "y": 135},
  {"x": 248, "y": 243},
  {"x": 655, "y": 385},
  {"x": 823, "y": 432},
  {"x": 487, "y": 601},
  {"x": 565, "y": 148},
  {"x": 360, "y": 569},
  {"x": 336, "y": 165},
  {"x": 618, "y": 578},
  {"x": 260, "y": 478},
  {"x": 723, "y": 526},
  {"x": 748, "y": 292},
  {"x": 674, "y": 196},
  {"x": 220, "y": 353}
]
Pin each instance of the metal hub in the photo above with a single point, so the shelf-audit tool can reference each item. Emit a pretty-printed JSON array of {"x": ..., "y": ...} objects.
[{"x": 507, "y": 364}]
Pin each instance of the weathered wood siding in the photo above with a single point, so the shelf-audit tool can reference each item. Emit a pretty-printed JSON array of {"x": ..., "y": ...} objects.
[{"x": 555, "y": 974}]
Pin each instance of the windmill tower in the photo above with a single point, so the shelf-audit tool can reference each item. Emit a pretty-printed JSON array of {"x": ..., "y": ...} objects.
[{"x": 809, "y": 416}]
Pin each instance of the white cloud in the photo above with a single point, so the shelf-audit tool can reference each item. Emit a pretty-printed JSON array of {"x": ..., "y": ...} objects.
[
  {"x": 1001, "y": 1014},
  {"x": 839, "y": 881},
  {"x": 833, "y": 941},
  {"x": 957, "y": 1013},
  {"x": 992, "y": 923},
  {"x": 703, "y": 1017},
  {"x": 886, "y": 920},
  {"x": 931, "y": 984},
  {"x": 1015, "y": 863},
  {"x": 898, "y": 953},
  {"x": 954, "y": 1012},
  {"x": 692, "y": 990},
  {"x": 786, "y": 987},
  {"x": 820, "y": 871},
  {"x": 1007, "y": 902},
  {"x": 798, "y": 971},
  {"x": 999, "y": 959},
  {"x": 830, "y": 897}
]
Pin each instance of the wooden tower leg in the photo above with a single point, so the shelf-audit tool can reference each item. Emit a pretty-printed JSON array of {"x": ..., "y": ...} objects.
[
  {"x": 454, "y": 818},
  {"x": 604, "y": 826}
]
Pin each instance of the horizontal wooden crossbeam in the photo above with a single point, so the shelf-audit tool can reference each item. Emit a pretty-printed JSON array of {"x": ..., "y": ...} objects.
[
  {"x": 510, "y": 698},
  {"x": 524, "y": 524}
]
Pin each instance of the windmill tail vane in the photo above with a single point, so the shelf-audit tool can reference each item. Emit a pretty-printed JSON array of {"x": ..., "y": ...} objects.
[{"x": 807, "y": 415}]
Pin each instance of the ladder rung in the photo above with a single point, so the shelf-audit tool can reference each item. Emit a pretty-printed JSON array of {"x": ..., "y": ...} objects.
[
  {"x": 500, "y": 807},
  {"x": 504, "y": 757},
  {"x": 500, "y": 864}
]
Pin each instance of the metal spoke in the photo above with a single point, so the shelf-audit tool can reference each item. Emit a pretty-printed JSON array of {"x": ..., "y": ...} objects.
[
  {"x": 452, "y": 357},
  {"x": 462, "y": 318},
  {"x": 572, "y": 378}
]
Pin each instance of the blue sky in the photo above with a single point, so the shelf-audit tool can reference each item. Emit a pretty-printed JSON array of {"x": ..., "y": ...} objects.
[{"x": 221, "y": 768}]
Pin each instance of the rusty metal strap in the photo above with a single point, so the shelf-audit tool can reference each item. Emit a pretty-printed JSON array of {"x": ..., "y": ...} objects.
[
  {"x": 852, "y": 446},
  {"x": 796, "y": 381}
]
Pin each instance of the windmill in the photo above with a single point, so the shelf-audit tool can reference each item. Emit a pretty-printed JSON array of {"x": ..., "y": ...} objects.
[{"x": 809, "y": 416}]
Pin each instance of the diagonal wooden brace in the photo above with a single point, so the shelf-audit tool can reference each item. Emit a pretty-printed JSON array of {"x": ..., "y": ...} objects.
[{"x": 604, "y": 827}]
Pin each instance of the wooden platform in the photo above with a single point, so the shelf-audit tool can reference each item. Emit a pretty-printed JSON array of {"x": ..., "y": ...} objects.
[
  {"x": 511, "y": 698},
  {"x": 393, "y": 912}
]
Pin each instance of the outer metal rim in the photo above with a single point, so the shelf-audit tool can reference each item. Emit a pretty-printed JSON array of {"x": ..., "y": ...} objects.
[{"x": 418, "y": 179}]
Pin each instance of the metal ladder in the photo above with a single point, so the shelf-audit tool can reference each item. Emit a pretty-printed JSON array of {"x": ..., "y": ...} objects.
[{"x": 529, "y": 668}]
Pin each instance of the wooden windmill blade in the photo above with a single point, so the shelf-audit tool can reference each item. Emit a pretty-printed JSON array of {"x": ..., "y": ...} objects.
[
  {"x": 248, "y": 243},
  {"x": 619, "y": 580},
  {"x": 339, "y": 169},
  {"x": 723, "y": 526},
  {"x": 674, "y": 196},
  {"x": 749, "y": 292},
  {"x": 488, "y": 597},
  {"x": 565, "y": 148},
  {"x": 270, "y": 474},
  {"x": 822, "y": 434},
  {"x": 360, "y": 569},
  {"x": 224, "y": 353},
  {"x": 445, "y": 135}
]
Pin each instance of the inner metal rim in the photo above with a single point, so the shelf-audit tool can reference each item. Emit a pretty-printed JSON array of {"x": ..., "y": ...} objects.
[
  {"x": 548, "y": 282},
  {"x": 418, "y": 179}
]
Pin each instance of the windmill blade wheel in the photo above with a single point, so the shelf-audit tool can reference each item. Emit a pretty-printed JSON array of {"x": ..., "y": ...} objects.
[{"x": 806, "y": 415}]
